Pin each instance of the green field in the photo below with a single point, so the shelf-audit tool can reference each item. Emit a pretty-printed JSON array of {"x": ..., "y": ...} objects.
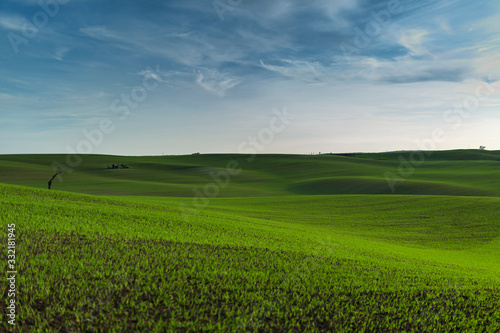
[
  {"x": 291, "y": 243},
  {"x": 460, "y": 172}
]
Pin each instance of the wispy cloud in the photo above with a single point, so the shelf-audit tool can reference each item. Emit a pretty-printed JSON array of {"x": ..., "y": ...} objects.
[
  {"x": 215, "y": 82},
  {"x": 334, "y": 10},
  {"x": 6, "y": 97},
  {"x": 151, "y": 74},
  {"x": 413, "y": 40},
  {"x": 12, "y": 22},
  {"x": 60, "y": 53},
  {"x": 309, "y": 72},
  {"x": 101, "y": 33},
  {"x": 423, "y": 73},
  {"x": 372, "y": 70}
]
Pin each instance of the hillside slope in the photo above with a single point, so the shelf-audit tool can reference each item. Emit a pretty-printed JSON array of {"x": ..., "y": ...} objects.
[
  {"x": 474, "y": 173},
  {"x": 322, "y": 263}
]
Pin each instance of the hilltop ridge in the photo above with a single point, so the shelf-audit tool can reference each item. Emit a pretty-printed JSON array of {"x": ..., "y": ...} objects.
[{"x": 457, "y": 172}]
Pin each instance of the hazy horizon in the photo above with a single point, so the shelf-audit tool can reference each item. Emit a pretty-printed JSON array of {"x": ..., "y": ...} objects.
[{"x": 259, "y": 153}]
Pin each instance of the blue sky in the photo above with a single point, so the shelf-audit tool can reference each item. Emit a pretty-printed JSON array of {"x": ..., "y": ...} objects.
[{"x": 206, "y": 76}]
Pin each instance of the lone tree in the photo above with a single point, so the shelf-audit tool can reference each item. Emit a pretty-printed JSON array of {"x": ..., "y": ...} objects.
[
  {"x": 482, "y": 147},
  {"x": 58, "y": 172}
]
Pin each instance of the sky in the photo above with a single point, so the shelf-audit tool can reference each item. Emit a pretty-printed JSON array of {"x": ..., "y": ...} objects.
[{"x": 151, "y": 77}]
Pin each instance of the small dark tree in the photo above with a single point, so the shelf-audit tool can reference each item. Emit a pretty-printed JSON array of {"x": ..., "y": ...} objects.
[{"x": 58, "y": 172}]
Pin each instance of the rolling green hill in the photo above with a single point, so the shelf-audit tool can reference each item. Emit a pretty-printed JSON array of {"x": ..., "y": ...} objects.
[
  {"x": 475, "y": 173},
  {"x": 278, "y": 243},
  {"x": 300, "y": 263}
]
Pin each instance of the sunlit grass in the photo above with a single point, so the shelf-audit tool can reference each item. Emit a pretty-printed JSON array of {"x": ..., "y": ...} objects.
[{"x": 295, "y": 263}]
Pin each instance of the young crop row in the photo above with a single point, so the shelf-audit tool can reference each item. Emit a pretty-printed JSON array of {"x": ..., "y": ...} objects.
[
  {"x": 95, "y": 282},
  {"x": 88, "y": 263}
]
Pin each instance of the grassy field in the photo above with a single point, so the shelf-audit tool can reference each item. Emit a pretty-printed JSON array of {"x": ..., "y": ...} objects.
[
  {"x": 474, "y": 172},
  {"x": 273, "y": 251}
]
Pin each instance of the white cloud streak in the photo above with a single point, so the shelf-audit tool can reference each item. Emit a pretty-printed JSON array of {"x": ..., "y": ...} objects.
[
  {"x": 413, "y": 40},
  {"x": 12, "y": 22},
  {"x": 215, "y": 82}
]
